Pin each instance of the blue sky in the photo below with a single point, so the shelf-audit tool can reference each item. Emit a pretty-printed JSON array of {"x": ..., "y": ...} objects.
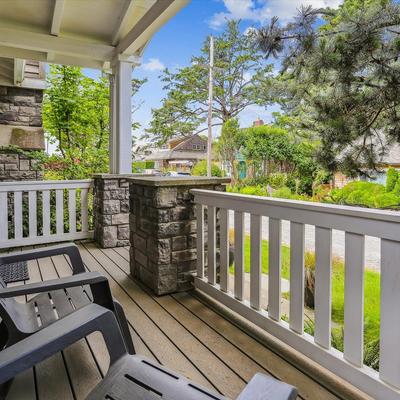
[{"x": 184, "y": 34}]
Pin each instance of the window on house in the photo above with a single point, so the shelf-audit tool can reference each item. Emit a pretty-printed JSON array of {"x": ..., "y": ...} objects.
[{"x": 193, "y": 146}]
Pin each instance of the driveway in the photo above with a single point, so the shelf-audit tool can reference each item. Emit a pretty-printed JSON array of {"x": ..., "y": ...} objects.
[{"x": 372, "y": 244}]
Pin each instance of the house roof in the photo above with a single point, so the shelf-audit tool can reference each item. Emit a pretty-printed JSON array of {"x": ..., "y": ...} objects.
[
  {"x": 388, "y": 154},
  {"x": 90, "y": 33}
]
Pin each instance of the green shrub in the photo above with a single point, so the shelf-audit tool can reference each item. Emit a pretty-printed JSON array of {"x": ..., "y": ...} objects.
[
  {"x": 277, "y": 180},
  {"x": 283, "y": 193},
  {"x": 387, "y": 200},
  {"x": 254, "y": 190},
  {"x": 366, "y": 194},
  {"x": 200, "y": 169},
  {"x": 396, "y": 189},
  {"x": 392, "y": 178}
]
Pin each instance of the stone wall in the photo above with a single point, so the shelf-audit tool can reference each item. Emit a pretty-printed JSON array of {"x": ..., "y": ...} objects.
[
  {"x": 19, "y": 106},
  {"x": 20, "y": 128},
  {"x": 19, "y": 167},
  {"x": 163, "y": 230},
  {"x": 111, "y": 210}
]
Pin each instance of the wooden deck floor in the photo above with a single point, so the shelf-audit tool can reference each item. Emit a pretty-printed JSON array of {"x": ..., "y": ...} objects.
[{"x": 179, "y": 331}]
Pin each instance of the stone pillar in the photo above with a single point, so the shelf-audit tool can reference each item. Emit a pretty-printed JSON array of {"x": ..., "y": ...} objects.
[
  {"x": 111, "y": 210},
  {"x": 163, "y": 230},
  {"x": 21, "y": 133}
]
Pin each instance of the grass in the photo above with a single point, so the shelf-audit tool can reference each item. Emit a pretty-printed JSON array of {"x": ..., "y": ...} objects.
[{"x": 371, "y": 287}]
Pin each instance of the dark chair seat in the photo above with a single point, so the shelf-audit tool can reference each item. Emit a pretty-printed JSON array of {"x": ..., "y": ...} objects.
[
  {"x": 129, "y": 377},
  {"x": 54, "y": 299}
]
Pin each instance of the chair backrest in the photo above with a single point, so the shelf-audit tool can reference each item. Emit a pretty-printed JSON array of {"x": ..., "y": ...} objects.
[{"x": 12, "y": 316}]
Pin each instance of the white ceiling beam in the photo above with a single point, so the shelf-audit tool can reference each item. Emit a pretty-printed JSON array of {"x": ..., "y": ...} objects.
[
  {"x": 122, "y": 19},
  {"x": 19, "y": 69},
  {"x": 57, "y": 17},
  {"x": 146, "y": 26},
  {"x": 10, "y": 52},
  {"x": 48, "y": 43}
]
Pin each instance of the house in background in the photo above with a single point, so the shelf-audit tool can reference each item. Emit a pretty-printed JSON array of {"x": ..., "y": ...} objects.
[
  {"x": 180, "y": 154},
  {"x": 390, "y": 158}
]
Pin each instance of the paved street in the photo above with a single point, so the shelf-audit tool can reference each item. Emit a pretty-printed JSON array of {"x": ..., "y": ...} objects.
[{"x": 372, "y": 244}]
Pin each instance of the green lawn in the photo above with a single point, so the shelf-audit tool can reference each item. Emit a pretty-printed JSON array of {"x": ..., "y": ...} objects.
[{"x": 372, "y": 287}]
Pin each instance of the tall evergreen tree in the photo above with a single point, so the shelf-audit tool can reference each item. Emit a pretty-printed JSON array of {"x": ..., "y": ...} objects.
[
  {"x": 343, "y": 76},
  {"x": 241, "y": 79}
]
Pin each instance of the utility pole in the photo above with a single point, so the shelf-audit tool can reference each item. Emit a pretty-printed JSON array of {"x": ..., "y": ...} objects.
[{"x": 210, "y": 102}]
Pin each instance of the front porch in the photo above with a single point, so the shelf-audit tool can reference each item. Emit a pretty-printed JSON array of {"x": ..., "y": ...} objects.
[{"x": 181, "y": 331}]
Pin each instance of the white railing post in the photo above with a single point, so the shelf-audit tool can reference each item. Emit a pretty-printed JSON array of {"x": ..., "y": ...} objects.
[
  {"x": 200, "y": 240},
  {"x": 297, "y": 277},
  {"x": 239, "y": 255},
  {"x": 274, "y": 269}
]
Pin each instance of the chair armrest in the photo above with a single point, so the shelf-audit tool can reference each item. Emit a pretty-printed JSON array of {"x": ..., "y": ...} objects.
[
  {"x": 60, "y": 334},
  {"x": 263, "y": 387},
  {"x": 87, "y": 278},
  {"x": 70, "y": 249}
]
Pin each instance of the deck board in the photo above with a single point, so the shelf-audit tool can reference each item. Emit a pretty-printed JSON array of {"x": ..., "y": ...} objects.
[{"x": 179, "y": 331}]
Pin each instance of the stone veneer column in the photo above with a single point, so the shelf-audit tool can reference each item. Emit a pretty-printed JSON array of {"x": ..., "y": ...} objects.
[
  {"x": 111, "y": 210},
  {"x": 163, "y": 230}
]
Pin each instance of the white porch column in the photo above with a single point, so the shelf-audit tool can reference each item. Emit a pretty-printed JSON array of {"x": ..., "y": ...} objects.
[{"x": 121, "y": 118}]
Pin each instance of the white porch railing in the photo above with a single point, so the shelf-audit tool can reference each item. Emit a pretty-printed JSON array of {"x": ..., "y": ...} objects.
[
  {"x": 355, "y": 222},
  {"x": 34, "y": 212}
]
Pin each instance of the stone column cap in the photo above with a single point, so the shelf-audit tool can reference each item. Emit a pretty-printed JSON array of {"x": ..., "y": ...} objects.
[
  {"x": 163, "y": 181},
  {"x": 116, "y": 176}
]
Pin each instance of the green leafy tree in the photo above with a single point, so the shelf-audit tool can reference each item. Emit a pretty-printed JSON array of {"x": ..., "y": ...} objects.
[
  {"x": 229, "y": 144},
  {"x": 269, "y": 148},
  {"x": 241, "y": 79},
  {"x": 76, "y": 121},
  {"x": 200, "y": 169},
  {"x": 345, "y": 76}
]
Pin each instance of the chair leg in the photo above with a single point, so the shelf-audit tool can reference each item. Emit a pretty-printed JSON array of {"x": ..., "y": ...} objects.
[{"x": 123, "y": 324}]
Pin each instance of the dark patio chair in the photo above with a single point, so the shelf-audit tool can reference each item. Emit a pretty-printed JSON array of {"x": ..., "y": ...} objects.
[
  {"x": 54, "y": 299},
  {"x": 129, "y": 377}
]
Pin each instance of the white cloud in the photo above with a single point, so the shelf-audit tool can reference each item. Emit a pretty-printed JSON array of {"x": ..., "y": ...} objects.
[
  {"x": 261, "y": 10},
  {"x": 154, "y": 64}
]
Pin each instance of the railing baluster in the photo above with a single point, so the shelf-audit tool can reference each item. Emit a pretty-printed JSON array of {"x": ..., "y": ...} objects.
[
  {"x": 255, "y": 261},
  {"x": 60, "y": 211},
  {"x": 224, "y": 249},
  {"x": 354, "y": 298},
  {"x": 200, "y": 240},
  {"x": 323, "y": 286},
  {"x": 46, "y": 212},
  {"x": 84, "y": 209},
  {"x": 3, "y": 216},
  {"x": 32, "y": 213},
  {"x": 239, "y": 255},
  {"x": 296, "y": 306},
  {"x": 18, "y": 223},
  {"x": 72, "y": 210},
  {"x": 389, "y": 365},
  {"x": 211, "y": 246},
  {"x": 274, "y": 269}
]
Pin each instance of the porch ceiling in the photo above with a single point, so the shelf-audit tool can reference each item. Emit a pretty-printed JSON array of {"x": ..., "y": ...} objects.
[{"x": 89, "y": 33}]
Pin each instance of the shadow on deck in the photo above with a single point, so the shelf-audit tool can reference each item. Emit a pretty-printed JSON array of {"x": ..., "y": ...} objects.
[{"x": 180, "y": 331}]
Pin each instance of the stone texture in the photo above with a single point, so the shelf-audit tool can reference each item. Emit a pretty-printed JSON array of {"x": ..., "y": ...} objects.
[
  {"x": 18, "y": 166},
  {"x": 163, "y": 232},
  {"x": 18, "y": 106},
  {"x": 111, "y": 211}
]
